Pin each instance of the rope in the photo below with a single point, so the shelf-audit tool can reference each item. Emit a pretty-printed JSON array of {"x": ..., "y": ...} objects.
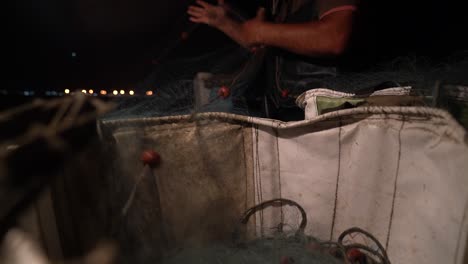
[
  {"x": 133, "y": 192},
  {"x": 337, "y": 181},
  {"x": 258, "y": 178},
  {"x": 280, "y": 202},
  {"x": 395, "y": 184},
  {"x": 380, "y": 252},
  {"x": 279, "y": 175}
]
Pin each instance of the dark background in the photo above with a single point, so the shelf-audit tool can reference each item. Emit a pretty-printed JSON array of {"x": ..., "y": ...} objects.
[{"x": 116, "y": 41}]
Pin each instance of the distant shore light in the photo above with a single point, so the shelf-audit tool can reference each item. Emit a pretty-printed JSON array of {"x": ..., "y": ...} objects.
[
  {"x": 67, "y": 91},
  {"x": 103, "y": 92},
  {"x": 131, "y": 92},
  {"x": 149, "y": 93},
  {"x": 115, "y": 92},
  {"x": 122, "y": 92},
  {"x": 83, "y": 91}
]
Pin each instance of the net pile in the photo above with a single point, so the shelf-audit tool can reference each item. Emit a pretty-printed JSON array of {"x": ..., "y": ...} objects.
[
  {"x": 353, "y": 246},
  {"x": 421, "y": 73},
  {"x": 276, "y": 250}
]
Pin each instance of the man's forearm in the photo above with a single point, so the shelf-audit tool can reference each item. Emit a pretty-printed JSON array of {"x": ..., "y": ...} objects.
[
  {"x": 324, "y": 38},
  {"x": 233, "y": 29},
  {"x": 305, "y": 39},
  {"x": 328, "y": 37}
]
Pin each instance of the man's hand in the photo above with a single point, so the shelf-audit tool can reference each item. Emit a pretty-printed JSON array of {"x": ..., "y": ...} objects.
[
  {"x": 252, "y": 29},
  {"x": 247, "y": 34},
  {"x": 215, "y": 16}
]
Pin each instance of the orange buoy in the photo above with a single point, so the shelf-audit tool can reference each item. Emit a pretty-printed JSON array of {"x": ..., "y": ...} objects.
[
  {"x": 224, "y": 92},
  {"x": 150, "y": 157}
]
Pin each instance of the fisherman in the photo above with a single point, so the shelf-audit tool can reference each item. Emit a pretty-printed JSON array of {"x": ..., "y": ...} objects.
[{"x": 306, "y": 40}]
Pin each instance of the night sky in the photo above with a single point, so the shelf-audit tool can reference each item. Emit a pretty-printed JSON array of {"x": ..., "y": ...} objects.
[{"x": 107, "y": 44}]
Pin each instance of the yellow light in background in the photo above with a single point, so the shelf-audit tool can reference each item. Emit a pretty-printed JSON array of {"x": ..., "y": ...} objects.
[
  {"x": 122, "y": 92},
  {"x": 67, "y": 91},
  {"x": 149, "y": 93},
  {"x": 103, "y": 92},
  {"x": 83, "y": 91},
  {"x": 91, "y": 91},
  {"x": 131, "y": 92},
  {"x": 115, "y": 92}
]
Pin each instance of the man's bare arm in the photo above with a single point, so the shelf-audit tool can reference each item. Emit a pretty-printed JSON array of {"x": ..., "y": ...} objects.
[{"x": 324, "y": 38}]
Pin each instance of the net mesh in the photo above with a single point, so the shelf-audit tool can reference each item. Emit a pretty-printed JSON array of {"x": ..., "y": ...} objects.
[
  {"x": 280, "y": 249},
  {"x": 287, "y": 247},
  {"x": 173, "y": 82}
]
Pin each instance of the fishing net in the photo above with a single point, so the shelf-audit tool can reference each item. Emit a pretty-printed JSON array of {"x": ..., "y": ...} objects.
[
  {"x": 244, "y": 74},
  {"x": 203, "y": 189},
  {"x": 419, "y": 73},
  {"x": 116, "y": 201},
  {"x": 175, "y": 83},
  {"x": 286, "y": 247}
]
